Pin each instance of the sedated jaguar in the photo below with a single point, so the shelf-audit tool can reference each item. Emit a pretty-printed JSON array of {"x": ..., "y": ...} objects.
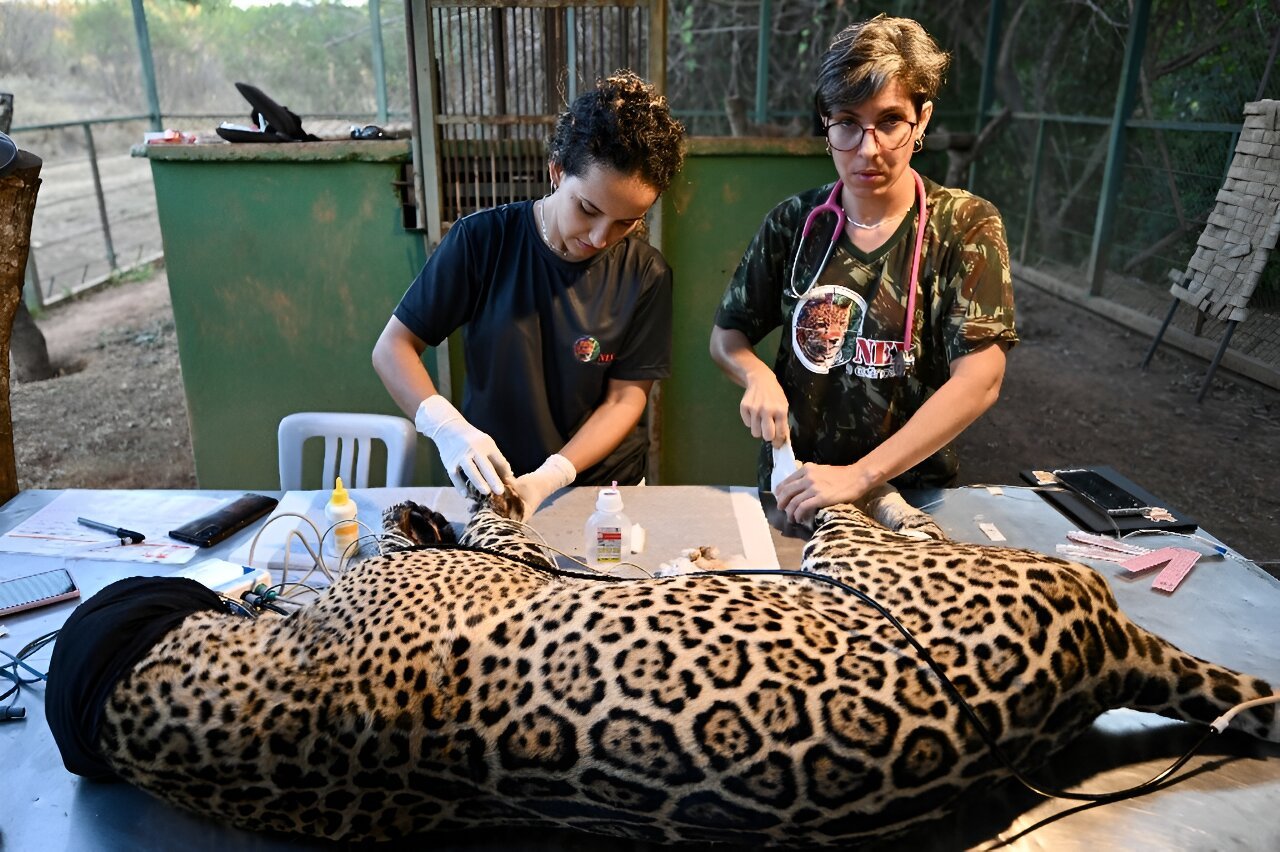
[{"x": 473, "y": 685}]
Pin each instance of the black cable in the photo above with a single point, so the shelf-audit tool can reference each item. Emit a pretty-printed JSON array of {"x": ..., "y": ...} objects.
[
  {"x": 963, "y": 704},
  {"x": 9, "y": 670},
  {"x": 923, "y": 653},
  {"x": 237, "y": 608}
]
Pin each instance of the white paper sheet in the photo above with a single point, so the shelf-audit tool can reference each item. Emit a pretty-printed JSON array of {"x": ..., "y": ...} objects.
[{"x": 54, "y": 530}]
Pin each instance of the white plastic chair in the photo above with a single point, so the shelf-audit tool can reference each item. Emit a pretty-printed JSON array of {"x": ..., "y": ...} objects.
[{"x": 348, "y": 443}]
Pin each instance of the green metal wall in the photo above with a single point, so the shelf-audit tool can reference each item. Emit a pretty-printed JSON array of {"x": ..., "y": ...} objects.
[
  {"x": 708, "y": 217},
  {"x": 284, "y": 264}
]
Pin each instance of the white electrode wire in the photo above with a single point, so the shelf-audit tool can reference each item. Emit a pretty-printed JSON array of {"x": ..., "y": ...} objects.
[
  {"x": 1220, "y": 549},
  {"x": 396, "y": 539},
  {"x": 316, "y": 560},
  {"x": 303, "y": 588},
  {"x": 352, "y": 550},
  {"x": 1220, "y": 724}
]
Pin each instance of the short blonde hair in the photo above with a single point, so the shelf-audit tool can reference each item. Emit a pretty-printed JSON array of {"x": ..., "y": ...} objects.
[{"x": 866, "y": 56}]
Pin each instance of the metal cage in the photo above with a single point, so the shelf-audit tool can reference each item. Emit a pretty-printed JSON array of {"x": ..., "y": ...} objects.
[{"x": 489, "y": 80}]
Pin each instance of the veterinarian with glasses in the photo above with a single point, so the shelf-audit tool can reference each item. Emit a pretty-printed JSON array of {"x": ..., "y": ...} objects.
[
  {"x": 565, "y": 311},
  {"x": 893, "y": 293}
]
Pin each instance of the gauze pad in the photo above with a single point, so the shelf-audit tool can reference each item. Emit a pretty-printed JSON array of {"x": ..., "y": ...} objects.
[{"x": 784, "y": 464}]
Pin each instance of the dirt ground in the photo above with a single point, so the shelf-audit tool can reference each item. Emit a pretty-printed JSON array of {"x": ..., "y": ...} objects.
[
  {"x": 116, "y": 416},
  {"x": 1073, "y": 396}
]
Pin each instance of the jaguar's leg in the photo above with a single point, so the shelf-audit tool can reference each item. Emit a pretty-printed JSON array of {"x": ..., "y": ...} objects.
[
  {"x": 495, "y": 525},
  {"x": 887, "y": 507},
  {"x": 408, "y": 524},
  {"x": 847, "y": 541}
]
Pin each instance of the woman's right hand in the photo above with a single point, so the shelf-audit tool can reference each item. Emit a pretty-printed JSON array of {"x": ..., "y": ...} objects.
[
  {"x": 468, "y": 454},
  {"x": 764, "y": 407}
]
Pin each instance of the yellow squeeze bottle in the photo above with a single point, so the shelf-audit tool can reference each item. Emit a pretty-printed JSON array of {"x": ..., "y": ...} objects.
[{"x": 340, "y": 511}]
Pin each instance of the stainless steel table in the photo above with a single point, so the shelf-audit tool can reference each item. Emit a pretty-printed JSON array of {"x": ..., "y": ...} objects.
[{"x": 1225, "y": 611}]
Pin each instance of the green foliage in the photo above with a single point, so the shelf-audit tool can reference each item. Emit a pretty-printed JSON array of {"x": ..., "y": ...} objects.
[
  {"x": 314, "y": 57},
  {"x": 102, "y": 40},
  {"x": 141, "y": 272},
  {"x": 1203, "y": 60},
  {"x": 28, "y": 41}
]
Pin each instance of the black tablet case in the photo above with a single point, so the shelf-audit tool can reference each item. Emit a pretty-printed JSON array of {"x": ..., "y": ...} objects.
[
  {"x": 224, "y": 521},
  {"x": 1091, "y": 518},
  {"x": 283, "y": 125}
]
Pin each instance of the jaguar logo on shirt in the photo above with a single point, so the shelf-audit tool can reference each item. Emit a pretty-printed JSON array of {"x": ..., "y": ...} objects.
[
  {"x": 825, "y": 325},
  {"x": 587, "y": 349},
  {"x": 826, "y": 333}
]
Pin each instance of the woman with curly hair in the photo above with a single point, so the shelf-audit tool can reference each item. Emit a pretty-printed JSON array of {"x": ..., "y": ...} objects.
[
  {"x": 566, "y": 312},
  {"x": 921, "y": 272}
]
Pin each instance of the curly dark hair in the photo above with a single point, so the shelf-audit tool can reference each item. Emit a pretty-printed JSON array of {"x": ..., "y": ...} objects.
[
  {"x": 865, "y": 56},
  {"x": 622, "y": 123}
]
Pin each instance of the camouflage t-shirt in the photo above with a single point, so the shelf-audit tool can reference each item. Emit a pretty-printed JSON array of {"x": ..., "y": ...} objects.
[{"x": 841, "y": 356}]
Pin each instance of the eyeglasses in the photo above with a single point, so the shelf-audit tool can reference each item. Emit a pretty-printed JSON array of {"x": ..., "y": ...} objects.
[{"x": 890, "y": 134}]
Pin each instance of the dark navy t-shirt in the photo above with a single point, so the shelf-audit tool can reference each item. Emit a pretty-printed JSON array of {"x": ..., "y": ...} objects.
[{"x": 542, "y": 335}]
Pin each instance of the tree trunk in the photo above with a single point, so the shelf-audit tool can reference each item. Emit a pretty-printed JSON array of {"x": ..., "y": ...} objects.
[
  {"x": 30, "y": 352},
  {"x": 18, "y": 191},
  {"x": 959, "y": 160},
  {"x": 28, "y": 348}
]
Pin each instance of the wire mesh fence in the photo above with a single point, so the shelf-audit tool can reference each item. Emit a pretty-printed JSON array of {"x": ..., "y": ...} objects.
[
  {"x": 95, "y": 214},
  {"x": 1047, "y": 172},
  {"x": 745, "y": 67},
  {"x": 503, "y": 75}
]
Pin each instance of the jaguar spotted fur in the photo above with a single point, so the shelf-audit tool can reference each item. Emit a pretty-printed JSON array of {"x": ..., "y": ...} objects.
[{"x": 471, "y": 685}]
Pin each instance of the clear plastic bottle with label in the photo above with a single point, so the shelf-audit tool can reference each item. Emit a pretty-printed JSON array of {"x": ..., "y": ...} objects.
[
  {"x": 341, "y": 510},
  {"x": 608, "y": 530}
]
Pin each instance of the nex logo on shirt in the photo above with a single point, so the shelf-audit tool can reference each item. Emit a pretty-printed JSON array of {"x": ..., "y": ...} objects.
[{"x": 587, "y": 349}]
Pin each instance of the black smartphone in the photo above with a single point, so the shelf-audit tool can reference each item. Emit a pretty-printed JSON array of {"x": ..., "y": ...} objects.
[
  {"x": 212, "y": 528},
  {"x": 48, "y": 587},
  {"x": 1100, "y": 491}
]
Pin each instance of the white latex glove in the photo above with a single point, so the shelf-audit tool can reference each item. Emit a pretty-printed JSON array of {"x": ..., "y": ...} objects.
[
  {"x": 467, "y": 453},
  {"x": 555, "y": 473}
]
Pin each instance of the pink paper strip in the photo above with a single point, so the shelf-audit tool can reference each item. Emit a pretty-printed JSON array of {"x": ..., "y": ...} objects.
[
  {"x": 1177, "y": 569},
  {"x": 1154, "y": 559}
]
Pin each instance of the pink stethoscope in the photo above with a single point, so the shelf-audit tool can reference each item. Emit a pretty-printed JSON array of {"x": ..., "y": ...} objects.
[{"x": 832, "y": 205}]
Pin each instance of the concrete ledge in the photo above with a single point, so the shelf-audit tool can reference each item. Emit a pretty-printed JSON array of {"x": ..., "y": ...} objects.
[
  {"x": 735, "y": 145},
  {"x": 348, "y": 150},
  {"x": 1250, "y": 368}
]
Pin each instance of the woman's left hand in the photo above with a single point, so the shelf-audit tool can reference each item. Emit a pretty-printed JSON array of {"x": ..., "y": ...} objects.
[
  {"x": 815, "y": 486},
  {"x": 534, "y": 488}
]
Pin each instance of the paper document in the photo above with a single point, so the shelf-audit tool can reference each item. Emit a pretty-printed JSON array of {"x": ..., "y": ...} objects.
[{"x": 55, "y": 531}]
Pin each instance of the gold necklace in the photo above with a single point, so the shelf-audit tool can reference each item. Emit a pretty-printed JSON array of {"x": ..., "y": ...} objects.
[{"x": 542, "y": 218}]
